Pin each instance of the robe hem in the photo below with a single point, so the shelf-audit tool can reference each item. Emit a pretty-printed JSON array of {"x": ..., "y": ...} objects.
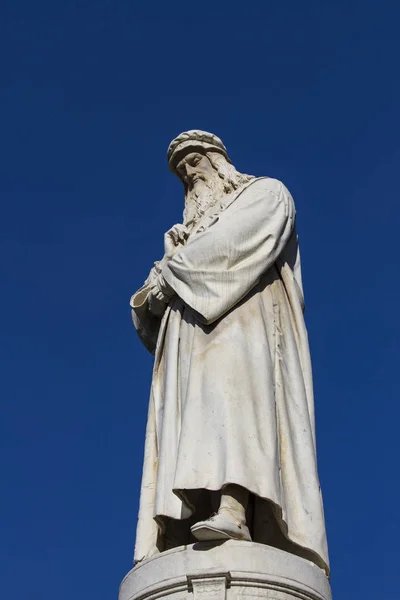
[{"x": 303, "y": 551}]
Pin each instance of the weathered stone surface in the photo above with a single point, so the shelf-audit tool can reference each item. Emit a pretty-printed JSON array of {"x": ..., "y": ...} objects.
[
  {"x": 231, "y": 417},
  {"x": 228, "y": 571}
]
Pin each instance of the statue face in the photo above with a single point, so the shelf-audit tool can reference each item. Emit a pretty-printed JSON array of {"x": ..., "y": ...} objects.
[{"x": 195, "y": 169}]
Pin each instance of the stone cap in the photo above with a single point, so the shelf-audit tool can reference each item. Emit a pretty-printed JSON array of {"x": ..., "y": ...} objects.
[{"x": 192, "y": 140}]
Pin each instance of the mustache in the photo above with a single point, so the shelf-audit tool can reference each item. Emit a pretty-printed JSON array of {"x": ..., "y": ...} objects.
[{"x": 195, "y": 177}]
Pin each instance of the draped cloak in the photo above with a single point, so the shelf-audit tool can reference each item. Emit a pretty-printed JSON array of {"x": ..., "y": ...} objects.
[{"x": 232, "y": 398}]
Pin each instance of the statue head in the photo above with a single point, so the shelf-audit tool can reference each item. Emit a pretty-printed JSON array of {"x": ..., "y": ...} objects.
[{"x": 201, "y": 162}]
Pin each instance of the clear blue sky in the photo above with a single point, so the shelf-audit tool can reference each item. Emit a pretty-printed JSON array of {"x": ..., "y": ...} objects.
[{"x": 92, "y": 93}]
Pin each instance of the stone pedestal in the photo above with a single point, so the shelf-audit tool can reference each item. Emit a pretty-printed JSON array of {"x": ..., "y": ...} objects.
[{"x": 225, "y": 571}]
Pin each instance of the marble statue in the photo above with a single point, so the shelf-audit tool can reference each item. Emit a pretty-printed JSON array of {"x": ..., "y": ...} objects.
[{"x": 230, "y": 442}]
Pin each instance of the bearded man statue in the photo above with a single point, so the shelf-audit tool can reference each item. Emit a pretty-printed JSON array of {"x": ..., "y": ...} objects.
[{"x": 230, "y": 441}]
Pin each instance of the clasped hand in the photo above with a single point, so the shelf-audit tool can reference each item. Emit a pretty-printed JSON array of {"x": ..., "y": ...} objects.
[
  {"x": 160, "y": 291},
  {"x": 174, "y": 239}
]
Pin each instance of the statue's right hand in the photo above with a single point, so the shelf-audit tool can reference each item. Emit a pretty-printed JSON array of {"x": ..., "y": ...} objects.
[{"x": 160, "y": 294}]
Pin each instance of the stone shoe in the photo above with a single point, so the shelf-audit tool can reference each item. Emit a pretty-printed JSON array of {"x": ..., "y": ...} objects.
[{"x": 220, "y": 528}]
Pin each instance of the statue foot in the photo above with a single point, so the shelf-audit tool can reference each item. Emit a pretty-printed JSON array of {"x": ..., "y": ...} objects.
[{"x": 220, "y": 528}]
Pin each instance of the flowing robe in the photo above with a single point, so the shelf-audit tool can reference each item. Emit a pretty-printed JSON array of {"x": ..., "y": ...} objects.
[{"x": 231, "y": 398}]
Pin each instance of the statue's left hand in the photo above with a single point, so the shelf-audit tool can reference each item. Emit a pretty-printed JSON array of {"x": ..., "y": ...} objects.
[{"x": 174, "y": 239}]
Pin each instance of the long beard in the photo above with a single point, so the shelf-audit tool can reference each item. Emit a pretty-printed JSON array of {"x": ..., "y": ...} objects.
[{"x": 198, "y": 202}]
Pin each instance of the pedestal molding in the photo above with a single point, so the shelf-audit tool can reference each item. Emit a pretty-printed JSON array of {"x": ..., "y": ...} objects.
[{"x": 217, "y": 572}]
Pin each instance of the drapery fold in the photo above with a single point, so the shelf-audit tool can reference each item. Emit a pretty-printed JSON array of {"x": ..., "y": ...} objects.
[
  {"x": 225, "y": 261},
  {"x": 232, "y": 397}
]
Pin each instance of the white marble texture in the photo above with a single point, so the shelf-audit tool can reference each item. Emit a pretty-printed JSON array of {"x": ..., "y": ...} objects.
[
  {"x": 228, "y": 571},
  {"x": 231, "y": 399}
]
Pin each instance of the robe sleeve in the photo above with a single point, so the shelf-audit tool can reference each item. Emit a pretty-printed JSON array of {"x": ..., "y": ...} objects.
[
  {"x": 220, "y": 265},
  {"x": 146, "y": 324}
]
